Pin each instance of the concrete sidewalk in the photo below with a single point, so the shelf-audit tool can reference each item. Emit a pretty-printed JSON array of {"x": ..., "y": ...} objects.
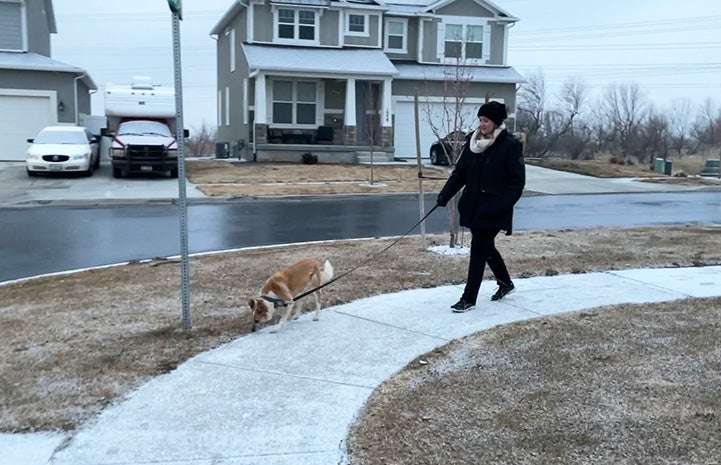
[{"x": 289, "y": 398}]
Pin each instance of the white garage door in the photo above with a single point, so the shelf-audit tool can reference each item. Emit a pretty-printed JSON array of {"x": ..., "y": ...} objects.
[
  {"x": 22, "y": 117},
  {"x": 404, "y": 137}
]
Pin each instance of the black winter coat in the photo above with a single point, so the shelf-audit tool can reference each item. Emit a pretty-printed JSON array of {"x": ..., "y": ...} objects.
[{"x": 493, "y": 182}]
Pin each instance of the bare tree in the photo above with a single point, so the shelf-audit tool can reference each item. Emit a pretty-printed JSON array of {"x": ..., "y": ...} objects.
[
  {"x": 573, "y": 97},
  {"x": 371, "y": 123},
  {"x": 201, "y": 142},
  {"x": 531, "y": 111},
  {"x": 655, "y": 138},
  {"x": 680, "y": 123},
  {"x": 624, "y": 109},
  {"x": 451, "y": 123}
]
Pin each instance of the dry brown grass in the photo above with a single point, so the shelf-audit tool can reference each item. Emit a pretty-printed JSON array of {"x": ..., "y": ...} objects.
[
  {"x": 73, "y": 344},
  {"x": 218, "y": 178}
]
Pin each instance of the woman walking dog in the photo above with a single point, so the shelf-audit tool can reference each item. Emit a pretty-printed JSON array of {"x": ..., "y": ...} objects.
[{"x": 492, "y": 175}]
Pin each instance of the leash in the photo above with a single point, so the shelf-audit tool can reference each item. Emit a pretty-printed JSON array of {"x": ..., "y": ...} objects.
[{"x": 282, "y": 303}]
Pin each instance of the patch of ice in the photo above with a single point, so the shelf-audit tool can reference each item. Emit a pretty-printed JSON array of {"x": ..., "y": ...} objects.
[{"x": 447, "y": 250}]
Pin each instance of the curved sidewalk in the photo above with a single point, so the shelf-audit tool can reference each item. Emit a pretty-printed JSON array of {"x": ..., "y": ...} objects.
[{"x": 289, "y": 398}]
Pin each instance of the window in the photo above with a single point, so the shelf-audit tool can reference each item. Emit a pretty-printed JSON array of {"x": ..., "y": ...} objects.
[
  {"x": 463, "y": 42},
  {"x": 11, "y": 25},
  {"x": 356, "y": 24},
  {"x": 294, "y": 102},
  {"x": 396, "y": 35},
  {"x": 227, "y": 106},
  {"x": 232, "y": 50},
  {"x": 295, "y": 25}
]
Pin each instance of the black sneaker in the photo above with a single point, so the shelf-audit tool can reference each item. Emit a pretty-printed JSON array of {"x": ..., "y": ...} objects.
[
  {"x": 503, "y": 291},
  {"x": 462, "y": 306}
]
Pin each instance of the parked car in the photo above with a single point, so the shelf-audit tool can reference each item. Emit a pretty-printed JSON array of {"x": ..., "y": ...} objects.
[
  {"x": 63, "y": 149},
  {"x": 453, "y": 139}
]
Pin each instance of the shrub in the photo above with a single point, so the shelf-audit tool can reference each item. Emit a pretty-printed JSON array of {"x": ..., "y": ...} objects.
[{"x": 309, "y": 159}]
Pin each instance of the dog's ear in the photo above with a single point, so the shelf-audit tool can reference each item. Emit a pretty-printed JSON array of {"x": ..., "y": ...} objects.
[{"x": 251, "y": 304}]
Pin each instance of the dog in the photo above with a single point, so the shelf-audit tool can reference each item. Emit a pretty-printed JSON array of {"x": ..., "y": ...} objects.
[{"x": 285, "y": 285}]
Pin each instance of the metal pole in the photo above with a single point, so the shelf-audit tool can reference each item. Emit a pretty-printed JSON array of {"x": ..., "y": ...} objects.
[
  {"x": 182, "y": 204},
  {"x": 421, "y": 205}
]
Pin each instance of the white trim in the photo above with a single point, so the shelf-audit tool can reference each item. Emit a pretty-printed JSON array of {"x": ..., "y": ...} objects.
[
  {"x": 419, "y": 39},
  {"x": 296, "y": 26},
  {"x": 220, "y": 108},
  {"x": 366, "y": 24},
  {"x": 404, "y": 36},
  {"x": 246, "y": 107},
  {"x": 249, "y": 18},
  {"x": 53, "y": 95},
  {"x": 227, "y": 106},
  {"x": 231, "y": 38}
]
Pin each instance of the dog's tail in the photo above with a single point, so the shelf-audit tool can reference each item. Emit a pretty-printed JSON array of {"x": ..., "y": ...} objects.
[{"x": 326, "y": 274}]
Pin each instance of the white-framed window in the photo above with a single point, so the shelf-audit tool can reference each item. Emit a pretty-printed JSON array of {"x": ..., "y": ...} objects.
[
  {"x": 13, "y": 25},
  {"x": 464, "y": 42},
  {"x": 232, "y": 50},
  {"x": 227, "y": 106},
  {"x": 396, "y": 33},
  {"x": 220, "y": 108},
  {"x": 356, "y": 24},
  {"x": 294, "y": 102},
  {"x": 295, "y": 26}
]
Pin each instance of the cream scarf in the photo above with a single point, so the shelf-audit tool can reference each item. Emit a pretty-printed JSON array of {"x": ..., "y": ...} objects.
[{"x": 479, "y": 145}]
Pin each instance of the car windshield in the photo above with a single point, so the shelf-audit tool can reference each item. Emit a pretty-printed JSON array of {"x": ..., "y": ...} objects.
[
  {"x": 130, "y": 128},
  {"x": 61, "y": 137}
]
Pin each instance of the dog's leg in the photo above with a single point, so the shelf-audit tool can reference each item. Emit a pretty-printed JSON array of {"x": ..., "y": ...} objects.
[
  {"x": 283, "y": 318},
  {"x": 297, "y": 309},
  {"x": 316, "y": 296}
]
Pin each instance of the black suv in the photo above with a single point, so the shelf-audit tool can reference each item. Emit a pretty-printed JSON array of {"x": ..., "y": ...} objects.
[{"x": 437, "y": 155}]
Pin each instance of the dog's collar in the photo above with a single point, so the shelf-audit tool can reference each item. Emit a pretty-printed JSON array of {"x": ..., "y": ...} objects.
[{"x": 276, "y": 302}]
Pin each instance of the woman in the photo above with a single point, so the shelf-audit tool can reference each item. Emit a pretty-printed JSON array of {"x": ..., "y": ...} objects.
[{"x": 493, "y": 175}]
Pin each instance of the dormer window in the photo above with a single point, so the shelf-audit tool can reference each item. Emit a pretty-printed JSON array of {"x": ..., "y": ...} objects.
[
  {"x": 295, "y": 26},
  {"x": 356, "y": 24}
]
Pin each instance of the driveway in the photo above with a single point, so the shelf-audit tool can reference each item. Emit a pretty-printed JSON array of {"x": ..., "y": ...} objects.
[{"x": 16, "y": 188}]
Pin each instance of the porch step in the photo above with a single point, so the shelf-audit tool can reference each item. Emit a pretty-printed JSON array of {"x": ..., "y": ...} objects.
[{"x": 364, "y": 157}]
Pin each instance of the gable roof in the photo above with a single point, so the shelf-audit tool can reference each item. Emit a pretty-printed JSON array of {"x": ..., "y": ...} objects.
[
  {"x": 328, "y": 61},
  {"x": 419, "y": 7}
]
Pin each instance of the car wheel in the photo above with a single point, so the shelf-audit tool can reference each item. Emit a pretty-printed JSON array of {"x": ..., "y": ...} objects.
[
  {"x": 436, "y": 156},
  {"x": 32, "y": 174},
  {"x": 174, "y": 173},
  {"x": 97, "y": 162},
  {"x": 117, "y": 173}
]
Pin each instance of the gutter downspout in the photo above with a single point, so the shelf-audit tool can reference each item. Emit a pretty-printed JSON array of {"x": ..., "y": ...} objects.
[{"x": 75, "y": 96}]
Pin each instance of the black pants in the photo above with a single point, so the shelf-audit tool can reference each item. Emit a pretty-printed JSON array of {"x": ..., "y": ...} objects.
[{"x": 483, "y": 250}]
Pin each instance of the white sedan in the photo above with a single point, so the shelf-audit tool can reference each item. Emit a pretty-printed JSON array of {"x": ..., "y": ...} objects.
[{"x": 63, "y": 149}]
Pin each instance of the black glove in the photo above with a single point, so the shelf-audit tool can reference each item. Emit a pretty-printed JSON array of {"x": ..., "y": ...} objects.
[{"x": 441, "y": 201}]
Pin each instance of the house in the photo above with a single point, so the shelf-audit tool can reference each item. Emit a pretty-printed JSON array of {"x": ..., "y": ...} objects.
[
  {"x": 35, "y": 90},
  {"x": 338, "y": 77}
]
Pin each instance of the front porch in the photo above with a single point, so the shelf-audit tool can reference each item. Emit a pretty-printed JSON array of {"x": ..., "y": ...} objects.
[{"x": 346, "y": 154}]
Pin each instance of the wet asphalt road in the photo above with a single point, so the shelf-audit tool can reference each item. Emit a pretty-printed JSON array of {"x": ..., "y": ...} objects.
[{"x": 42, "y": 240}]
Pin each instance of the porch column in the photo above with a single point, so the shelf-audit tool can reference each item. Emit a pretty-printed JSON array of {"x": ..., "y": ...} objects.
[
  {"x": 349, "y": 121},
  {"x": 386, "y": 113},
  {"x": 261, "y": 113}
]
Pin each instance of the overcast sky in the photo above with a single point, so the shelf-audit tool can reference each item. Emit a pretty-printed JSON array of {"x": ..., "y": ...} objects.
[{"x": 671, "y": 49}]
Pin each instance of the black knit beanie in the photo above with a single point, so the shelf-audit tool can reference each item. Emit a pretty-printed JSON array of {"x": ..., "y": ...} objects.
[{"x": 494, "y": 111}]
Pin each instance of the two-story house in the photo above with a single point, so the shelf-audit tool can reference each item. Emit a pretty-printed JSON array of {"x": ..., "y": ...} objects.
[
  {"x": 35, "y": 90},
  {"x": 333, "y": 77}
]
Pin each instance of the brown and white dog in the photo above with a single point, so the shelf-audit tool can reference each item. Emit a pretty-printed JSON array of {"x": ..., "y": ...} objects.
[{"x": 285, "y": 285}]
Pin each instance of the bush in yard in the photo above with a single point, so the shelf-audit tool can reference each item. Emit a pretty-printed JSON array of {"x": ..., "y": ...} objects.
[{"x": 309, "y": 159}]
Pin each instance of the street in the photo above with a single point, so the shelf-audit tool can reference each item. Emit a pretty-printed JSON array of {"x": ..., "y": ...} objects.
[{"x": 43, "y": 240}]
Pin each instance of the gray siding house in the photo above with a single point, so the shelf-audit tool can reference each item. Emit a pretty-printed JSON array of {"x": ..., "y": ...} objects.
[
  {"x": 337, "y": 77},
  {"x": 35, "y": 90}
]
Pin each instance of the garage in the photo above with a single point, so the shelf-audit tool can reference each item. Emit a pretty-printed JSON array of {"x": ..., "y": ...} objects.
[
  {"x": 22, "y": 115},
  {"x": 404, "y": 136}
]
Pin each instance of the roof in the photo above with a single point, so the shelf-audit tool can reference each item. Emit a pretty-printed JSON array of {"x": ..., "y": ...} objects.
[
  {"x": 418, "y": 7},
  {"x": 495, "y": 74},
  {"x": 27, "y": 61},
  {"x": 367, "y": 62},
  {"x": 227, "y": 17},
  {"x": 50, "y": 14}
]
